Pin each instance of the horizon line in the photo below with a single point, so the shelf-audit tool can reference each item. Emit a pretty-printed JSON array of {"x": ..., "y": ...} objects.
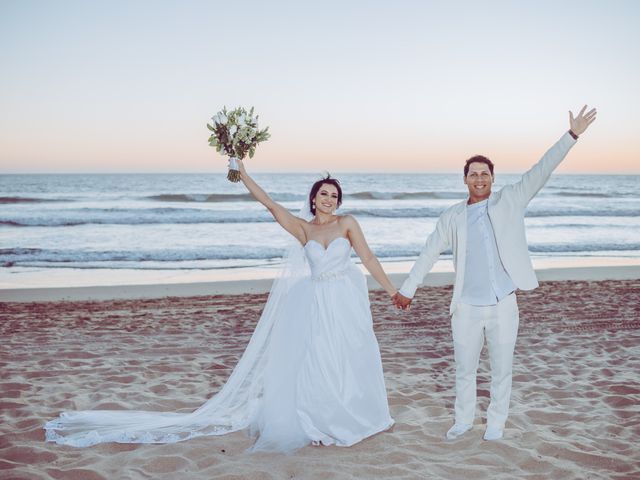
[{"x": 304, "y": 172}]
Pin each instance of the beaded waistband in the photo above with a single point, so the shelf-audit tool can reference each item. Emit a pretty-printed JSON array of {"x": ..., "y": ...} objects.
[{"x": 329, "y": 275}]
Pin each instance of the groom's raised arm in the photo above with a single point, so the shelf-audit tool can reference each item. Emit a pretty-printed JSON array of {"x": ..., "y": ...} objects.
[
  {"x": 538, "y": 175},
  {"x": 436, "y": 243},
  {"x": 534, "y": 179}
]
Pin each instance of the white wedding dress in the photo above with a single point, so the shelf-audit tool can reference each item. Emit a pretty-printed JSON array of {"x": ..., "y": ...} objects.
[{"x": 311, "y": 372}]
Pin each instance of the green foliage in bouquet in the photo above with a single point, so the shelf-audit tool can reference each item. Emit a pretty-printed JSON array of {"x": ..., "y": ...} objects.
[{"x": 235, "y": 133}]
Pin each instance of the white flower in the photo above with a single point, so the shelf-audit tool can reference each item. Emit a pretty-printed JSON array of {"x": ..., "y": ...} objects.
[
  {"x": 223, "y": 118},
  {"x": 233, "y": 130}
]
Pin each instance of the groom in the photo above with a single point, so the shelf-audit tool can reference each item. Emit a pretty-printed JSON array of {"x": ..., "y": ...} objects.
[{"x": 487, "y": 236}]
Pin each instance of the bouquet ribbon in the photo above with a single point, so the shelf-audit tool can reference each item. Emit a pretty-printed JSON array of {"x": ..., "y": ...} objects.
[{"x": 234, "y": 170}]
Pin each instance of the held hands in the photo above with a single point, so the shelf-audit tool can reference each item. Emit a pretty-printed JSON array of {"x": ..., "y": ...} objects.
[
  {"x": 580, "y": 123},
  {"x": 400, "y": 301}
]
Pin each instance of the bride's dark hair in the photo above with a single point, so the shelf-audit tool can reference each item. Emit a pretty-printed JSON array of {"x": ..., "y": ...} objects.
[{"x": 316, "y": 186}]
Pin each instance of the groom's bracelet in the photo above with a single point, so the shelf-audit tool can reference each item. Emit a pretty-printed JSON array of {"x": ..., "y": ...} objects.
[{"x": 575, "y": 137}]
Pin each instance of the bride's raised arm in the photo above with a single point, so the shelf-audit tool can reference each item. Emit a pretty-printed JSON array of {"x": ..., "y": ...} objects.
[
  {"x": 284, "y": 217},
  {"x": 368, "y": 258}
]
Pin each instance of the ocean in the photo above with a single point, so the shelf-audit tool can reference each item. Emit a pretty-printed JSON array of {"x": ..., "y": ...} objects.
[{"x": 204, "y": 222}]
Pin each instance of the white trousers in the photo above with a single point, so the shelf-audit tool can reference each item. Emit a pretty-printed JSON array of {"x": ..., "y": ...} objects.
[{"x": 470, "y": 324}]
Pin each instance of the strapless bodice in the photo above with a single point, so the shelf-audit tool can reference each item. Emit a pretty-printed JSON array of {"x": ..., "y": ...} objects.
[{"x": 330, "y": 262}]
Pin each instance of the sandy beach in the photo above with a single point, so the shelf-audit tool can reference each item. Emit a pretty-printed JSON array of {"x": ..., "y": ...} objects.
[{"x": 574, "y": 412}]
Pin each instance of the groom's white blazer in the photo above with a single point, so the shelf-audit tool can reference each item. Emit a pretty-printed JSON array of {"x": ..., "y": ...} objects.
[{"x": 506, "y": 210}]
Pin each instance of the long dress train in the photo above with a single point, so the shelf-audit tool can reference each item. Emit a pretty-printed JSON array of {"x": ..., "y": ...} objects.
[{"x": 311, "y": 373}]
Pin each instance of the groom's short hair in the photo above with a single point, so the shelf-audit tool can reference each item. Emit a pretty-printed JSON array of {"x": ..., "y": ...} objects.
[{"x": 478, "y": 159}]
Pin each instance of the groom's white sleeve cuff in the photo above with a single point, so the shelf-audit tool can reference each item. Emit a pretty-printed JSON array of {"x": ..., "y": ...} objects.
[{"x": 408, "y": 290}]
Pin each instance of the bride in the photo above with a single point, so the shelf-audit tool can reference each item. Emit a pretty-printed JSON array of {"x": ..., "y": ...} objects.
[{"x": 311, "y": 373}]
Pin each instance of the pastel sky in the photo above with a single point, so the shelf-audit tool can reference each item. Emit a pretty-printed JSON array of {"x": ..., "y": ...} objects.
[{"x": 128, "y": 86}]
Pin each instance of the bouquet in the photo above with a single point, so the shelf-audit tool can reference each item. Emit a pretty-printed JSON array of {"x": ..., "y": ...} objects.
[{"x": 235, "y": 134}]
